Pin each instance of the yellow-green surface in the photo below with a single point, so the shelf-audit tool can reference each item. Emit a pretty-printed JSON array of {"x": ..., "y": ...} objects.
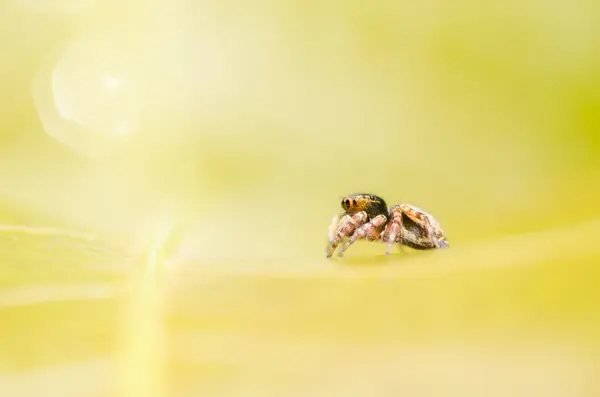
[{"x": 169, "y": 171}]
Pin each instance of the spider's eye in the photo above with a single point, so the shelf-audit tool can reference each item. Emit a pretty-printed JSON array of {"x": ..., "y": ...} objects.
[
  {"x": 347, "y": 203},
  {"x": 354, "y": 202}
]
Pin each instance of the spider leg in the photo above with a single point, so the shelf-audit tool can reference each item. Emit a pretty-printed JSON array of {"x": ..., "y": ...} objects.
[
  {"x": 421, "y": 220},
  {"x": 370, "y": 230},
  {"x": 394, "y": 232},
  {"x": 347, "y": 224},
  {"x": 332, "y": 227}
]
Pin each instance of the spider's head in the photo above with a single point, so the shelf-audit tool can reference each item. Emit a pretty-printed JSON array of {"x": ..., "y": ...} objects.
[{"x": 371, "y": 204}]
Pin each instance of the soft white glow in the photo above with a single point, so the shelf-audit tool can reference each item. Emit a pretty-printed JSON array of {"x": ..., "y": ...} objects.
[
  {"x": 112, "y": 83},
  {"x": 90, "y": 99}
]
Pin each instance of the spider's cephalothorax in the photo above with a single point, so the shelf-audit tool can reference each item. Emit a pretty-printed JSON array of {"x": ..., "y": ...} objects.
[
  {"x": 371, "y": 205},
  {"x": 366, "y": 216}
]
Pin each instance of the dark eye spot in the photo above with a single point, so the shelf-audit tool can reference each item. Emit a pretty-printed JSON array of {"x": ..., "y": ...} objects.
[
  {"x": 347, "y": 203},
  {"x": 354, "y": 202}
]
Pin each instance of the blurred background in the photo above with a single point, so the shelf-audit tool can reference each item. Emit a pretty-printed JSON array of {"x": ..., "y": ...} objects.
[{"x": 169, "y": 170}]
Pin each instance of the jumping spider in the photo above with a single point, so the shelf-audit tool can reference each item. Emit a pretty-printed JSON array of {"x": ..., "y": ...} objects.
[{"x": 366, "y": 216}]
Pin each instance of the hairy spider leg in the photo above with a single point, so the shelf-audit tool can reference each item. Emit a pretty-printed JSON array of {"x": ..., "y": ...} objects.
[
  {"x": 394, "y": 231},
  {"x": 370, "y": 231},
  {"x": 345, "y": 227},
  {"x": 333, "y": 227}
]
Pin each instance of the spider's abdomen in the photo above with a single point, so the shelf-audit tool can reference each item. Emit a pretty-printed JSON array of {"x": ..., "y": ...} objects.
[{"x": 417, "y": 237}]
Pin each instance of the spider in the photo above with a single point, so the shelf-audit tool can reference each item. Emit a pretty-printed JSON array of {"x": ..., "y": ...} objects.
[{"x": 367, "y": 216}]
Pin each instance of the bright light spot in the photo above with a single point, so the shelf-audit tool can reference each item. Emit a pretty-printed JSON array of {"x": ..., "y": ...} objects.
[
  {"x": 123, "y": 128},
  {"x": 90, "y": 99},
  {"x": 112, "y": 83}
]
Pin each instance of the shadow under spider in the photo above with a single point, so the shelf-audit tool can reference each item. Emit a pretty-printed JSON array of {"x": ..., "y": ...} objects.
[{"x": 377, "y": 259}]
